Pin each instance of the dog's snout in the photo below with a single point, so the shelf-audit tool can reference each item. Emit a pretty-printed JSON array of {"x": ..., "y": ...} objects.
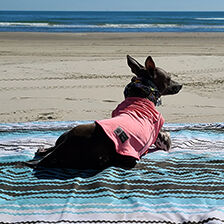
[{"x": 176, "y": 88}]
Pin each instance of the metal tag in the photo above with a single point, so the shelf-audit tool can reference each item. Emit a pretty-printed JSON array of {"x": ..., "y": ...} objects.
[{"x": 121, "y": 134}]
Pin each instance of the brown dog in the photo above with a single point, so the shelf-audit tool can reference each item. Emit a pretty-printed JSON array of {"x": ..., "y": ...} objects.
[{"x": 120, "y": 141}]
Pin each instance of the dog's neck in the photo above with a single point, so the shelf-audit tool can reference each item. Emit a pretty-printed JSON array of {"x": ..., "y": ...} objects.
[{"x": 143, "y": 88}]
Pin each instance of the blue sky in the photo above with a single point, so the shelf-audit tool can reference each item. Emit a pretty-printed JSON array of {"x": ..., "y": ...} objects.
[{"x": 114, "y": 5}]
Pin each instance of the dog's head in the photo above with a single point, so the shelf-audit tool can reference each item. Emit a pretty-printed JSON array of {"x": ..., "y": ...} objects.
[{"x": 150, "y": 77}]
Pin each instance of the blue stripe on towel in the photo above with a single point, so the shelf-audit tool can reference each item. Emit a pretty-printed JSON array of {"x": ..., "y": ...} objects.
[{"x": 185, "y": 184}]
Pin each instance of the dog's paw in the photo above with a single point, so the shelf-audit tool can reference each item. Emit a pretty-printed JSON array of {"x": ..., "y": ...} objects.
[
  {"x": 163, "y": 141},
  {"x": 43, "y": 151}
]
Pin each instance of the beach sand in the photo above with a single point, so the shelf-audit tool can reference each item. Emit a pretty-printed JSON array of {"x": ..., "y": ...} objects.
[{"x": 81, "y": 76}]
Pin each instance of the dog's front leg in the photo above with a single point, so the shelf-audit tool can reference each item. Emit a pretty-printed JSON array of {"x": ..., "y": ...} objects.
[{"x": 163, "y": 141}]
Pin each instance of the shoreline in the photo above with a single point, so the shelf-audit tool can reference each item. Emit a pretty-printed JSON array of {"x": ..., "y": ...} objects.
[{"x": 81, "y": 76}]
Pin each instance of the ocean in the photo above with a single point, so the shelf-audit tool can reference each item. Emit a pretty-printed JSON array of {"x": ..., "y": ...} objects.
[{"x": 59, "y": 21}]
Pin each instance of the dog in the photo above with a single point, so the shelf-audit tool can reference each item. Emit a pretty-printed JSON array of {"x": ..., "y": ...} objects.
[{"x": 123, "y": 139}]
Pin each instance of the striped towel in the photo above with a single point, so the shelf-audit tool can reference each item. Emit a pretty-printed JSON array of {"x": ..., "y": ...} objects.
[{"x": 185, "y": 185}]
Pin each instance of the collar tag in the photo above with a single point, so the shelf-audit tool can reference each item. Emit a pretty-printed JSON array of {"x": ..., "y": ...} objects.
[{"x": 159, "y": 102}]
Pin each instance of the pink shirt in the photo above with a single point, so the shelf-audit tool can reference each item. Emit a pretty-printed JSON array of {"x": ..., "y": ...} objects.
[{"x": 134, "y": 126}]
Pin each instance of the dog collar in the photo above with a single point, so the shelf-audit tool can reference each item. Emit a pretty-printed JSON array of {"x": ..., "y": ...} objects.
[{"x": 147, "y": 87}]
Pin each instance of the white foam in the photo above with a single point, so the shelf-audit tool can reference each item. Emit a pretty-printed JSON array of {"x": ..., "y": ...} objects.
[
  {"x": 87, "y": 26},
  {"x": 113, "y": 26},
  {"x": 24, "y": 24},
  {"x": 134, "y": 26},
  {"x": 210, "y": 18}
]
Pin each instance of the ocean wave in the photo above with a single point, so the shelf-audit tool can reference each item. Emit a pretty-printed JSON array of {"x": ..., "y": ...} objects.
[
  {"x": 86, "y": 25},
  {"x": 49, "y": 25},
  {"x": 145, "y": 26},
  {"x": 211, "y": 18},
  {"x": 134, "y": 26},
  {"x": 115, "y": 26},
  {"x": 109, "y": 26},
  {"x": 5, "y": 24}
]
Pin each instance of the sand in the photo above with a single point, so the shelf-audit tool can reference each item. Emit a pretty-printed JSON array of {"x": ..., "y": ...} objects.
[{"x": 81, "y": 76}]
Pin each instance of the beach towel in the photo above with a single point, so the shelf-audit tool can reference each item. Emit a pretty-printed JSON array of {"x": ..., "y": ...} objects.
[
  {"x": 185, "y": 185},
  {"x": 134, "y": 126}
]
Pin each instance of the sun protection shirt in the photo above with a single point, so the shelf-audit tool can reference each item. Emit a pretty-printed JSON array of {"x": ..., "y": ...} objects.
[{"x": 134, "y": 126}]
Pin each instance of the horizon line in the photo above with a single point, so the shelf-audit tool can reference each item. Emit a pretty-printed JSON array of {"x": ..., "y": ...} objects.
[{"x": 36, "y": 10}]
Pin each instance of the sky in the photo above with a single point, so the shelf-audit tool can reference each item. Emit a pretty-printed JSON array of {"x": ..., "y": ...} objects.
[{"x": 113, "y": 5}]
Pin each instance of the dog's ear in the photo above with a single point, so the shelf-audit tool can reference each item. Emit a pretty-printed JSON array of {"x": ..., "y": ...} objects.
[
  {"x": 149, "y": 63},
  {"x": 134, "y": 65}
]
